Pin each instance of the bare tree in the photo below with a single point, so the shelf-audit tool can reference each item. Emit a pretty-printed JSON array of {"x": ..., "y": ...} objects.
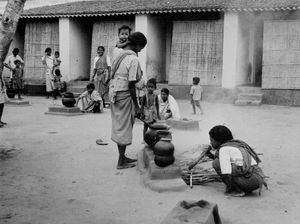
[{"x": 8, "y": 26}]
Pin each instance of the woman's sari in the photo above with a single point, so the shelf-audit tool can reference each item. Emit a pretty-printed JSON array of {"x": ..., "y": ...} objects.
[
  {"x": 168, "y": 108},
  {"x": 101, "y": 67},
  {"x": 49, "y": 63},
  {"x": 248, "y": 177}
]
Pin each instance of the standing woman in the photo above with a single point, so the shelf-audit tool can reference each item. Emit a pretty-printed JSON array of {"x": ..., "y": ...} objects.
[
  {"x": 126, "y": 72},
  {"x": 101, "y": 71},
  {"x": 48, "y": 62}
]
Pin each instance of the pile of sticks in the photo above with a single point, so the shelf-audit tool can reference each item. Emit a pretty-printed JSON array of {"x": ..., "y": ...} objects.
[
  {"x": 202, "y": 173},
  {"x": 200, "y": 177}
]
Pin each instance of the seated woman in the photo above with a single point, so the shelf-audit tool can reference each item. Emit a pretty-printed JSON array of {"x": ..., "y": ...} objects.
[
  {"x": 91, "y": 100},
  {"x": 235, "y": 162},
  {"x": 168, "y": 107}
]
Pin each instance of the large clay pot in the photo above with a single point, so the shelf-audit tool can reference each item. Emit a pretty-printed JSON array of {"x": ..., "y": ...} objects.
[
  {"x": 68, "y": 99},
  {"x": 164, "y": 147},
  {"x": 164, "y": 134},
  {"x": 10, "y": 93},
  {"x": 159, "y": 126},
  {"x": 163, "y": 161},
  {"x": 151, "y": 138}
]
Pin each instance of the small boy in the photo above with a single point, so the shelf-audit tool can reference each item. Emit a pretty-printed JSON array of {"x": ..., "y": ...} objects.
[
  {"x": 17, "y": 78},
  {"x": 91, "y": 100},
  {"x": 56, "y": 61},
  {"x": 57, "y": 83},
  {"x": 150, "y": 105},
  {"x": 123, "y": 33},
  {"x": 196, "y": 93}
]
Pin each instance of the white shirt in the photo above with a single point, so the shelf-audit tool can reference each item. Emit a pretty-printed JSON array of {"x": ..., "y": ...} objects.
[
  {"x": 107, "y": 61},
  {"x": 231, "y": 155},
  {"x": 10, "y": 60}
]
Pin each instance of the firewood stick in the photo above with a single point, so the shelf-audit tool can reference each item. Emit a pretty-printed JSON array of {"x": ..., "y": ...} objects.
[{"x": 191, "y": 179}]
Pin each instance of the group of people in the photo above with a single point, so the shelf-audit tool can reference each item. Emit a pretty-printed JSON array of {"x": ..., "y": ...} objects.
[
  {"x": 126, "y": 81},
  {"x": 15, "y": 64},
  {"x": 234, "y": 160}
]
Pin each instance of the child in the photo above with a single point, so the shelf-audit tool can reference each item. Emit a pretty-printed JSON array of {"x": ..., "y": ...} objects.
[
  {"x": 123, "y": 33},
  {"x": 91, "y": 100},
  {"x": 150, "y": 106},
  {"x": 56, "y": 61},
  {"x": 17, "y": 78},
  {"x": 57, "y": 83},
  {"x": 196, "y": 92}
]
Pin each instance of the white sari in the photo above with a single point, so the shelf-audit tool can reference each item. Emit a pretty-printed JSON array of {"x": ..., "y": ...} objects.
[
  {"x": 49, "y": 63},
  {"x": 170, "y": 105}
]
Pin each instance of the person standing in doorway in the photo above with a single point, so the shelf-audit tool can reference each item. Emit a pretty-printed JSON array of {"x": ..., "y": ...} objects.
[
  {"x": 101, "y": 71},
  {"x": 48, "y": 62}
]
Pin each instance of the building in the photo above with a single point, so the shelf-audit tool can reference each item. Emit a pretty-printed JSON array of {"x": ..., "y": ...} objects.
[{"x": 228, "y": 44}]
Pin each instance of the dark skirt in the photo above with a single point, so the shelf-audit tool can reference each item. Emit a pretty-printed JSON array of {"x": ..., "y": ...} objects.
[{"x": 247, "y": 183}]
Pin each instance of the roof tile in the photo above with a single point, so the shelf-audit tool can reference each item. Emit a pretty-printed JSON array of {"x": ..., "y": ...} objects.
[{"x": 115, "y": 7}]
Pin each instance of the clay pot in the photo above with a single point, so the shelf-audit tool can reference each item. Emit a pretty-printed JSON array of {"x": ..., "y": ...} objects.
[
  {"x": 159, "y": 126},
  {"x": 10, "y": 93},
  {"x": 68, "y": 99},
  {"x": 163, "y": 161},
  {"x": 164, "y": 134},
  {"x": 164, "y": 147},
  {"x": 151, "y": 138}
]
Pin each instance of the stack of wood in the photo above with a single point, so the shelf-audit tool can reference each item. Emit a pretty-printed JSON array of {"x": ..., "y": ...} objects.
[{"x": 202, "y": 173}]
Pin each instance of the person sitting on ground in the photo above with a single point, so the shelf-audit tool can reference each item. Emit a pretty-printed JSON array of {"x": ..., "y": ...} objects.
[
  {"x": 168, "y": 107},
  {"x": 234, "y": 161},
  {"x": 91, "y": 100},
  {"x": 17, "y": 78}
]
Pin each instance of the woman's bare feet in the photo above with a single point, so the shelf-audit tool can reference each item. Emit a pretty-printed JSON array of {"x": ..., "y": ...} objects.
[{"x": 236, "y": 194}]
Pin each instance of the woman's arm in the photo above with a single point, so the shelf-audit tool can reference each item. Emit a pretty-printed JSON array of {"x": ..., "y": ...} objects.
[{"x": 206, "y": 149}]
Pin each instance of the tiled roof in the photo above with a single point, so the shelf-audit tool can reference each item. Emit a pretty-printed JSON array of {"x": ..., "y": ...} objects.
[{"x": 125, "y": 7}]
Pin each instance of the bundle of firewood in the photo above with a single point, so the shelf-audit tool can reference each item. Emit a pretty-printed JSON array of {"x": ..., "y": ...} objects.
[{"x": 202, "y": 173}]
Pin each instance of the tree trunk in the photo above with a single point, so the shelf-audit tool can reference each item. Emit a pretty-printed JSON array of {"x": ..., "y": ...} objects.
[{"x": 8, "y": 26}]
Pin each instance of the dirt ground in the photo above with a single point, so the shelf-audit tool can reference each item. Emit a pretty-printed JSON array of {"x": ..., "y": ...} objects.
[{"x": 58, "y": 175}]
